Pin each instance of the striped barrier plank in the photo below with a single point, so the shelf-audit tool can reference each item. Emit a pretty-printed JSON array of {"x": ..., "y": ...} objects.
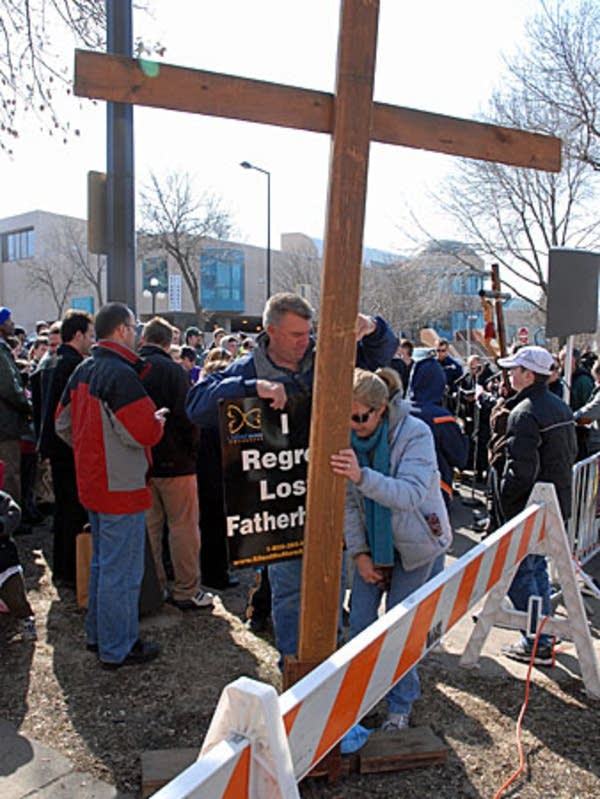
[{"x": 319, "y": 709}]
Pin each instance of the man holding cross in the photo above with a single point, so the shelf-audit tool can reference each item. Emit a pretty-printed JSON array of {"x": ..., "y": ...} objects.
[
  {"x": 281, "y": 364},
  {"x": 353, "y": 120}
]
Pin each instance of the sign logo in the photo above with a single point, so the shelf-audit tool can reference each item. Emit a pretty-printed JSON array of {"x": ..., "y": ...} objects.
[
  {"x": 238, "y": 419},
  {"x": 243, "y": 424}
]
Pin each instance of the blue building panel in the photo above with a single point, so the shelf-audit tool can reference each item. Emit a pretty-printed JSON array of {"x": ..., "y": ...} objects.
[
  {"x": 83, "y": 304},
  {"x": 222, "y": 279},
  {"x": 467, "y": 284}
]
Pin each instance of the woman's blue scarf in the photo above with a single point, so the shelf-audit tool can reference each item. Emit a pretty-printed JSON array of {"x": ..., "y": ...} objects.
[{"x": 374, "y": 452}]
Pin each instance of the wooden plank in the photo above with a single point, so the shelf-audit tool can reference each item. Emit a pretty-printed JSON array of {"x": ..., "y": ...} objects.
[
  {"x": 160, "y": 766},
  {"x": 414, "y": 747},
  {"x": 336, "y": 345},
  {"x": 105, "y": 76},
  {"x": 500, "y": 327},
  {"x": 463, "y": 137}
]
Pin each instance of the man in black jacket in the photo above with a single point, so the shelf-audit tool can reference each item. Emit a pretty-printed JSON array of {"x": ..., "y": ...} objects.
[
  {"x": 173, "y": 472},
  {"x": 540, "y": 446},
  {"x": 15, "y": 409},
  {"x": 47, "y": 384}
]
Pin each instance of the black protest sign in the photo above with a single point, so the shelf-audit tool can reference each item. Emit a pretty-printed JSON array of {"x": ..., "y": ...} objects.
[{"x": 265, "y": 459}]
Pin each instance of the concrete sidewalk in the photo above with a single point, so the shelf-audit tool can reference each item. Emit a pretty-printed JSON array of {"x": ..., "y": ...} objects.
[{"x": 30, "y": 769}]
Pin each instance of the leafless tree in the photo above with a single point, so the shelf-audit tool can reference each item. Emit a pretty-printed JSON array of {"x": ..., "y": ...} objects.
[
  {"x": 57, "y": 271},
  {"x": 516, "y": 215},
  {"x": 414, "y": 292},
  {"x": 559, "y": 67},
  {"x": 299, "y": 271},
  {"x": 91, "y": 268},
  {"x": 513, "y": 216},
  {"x": 34, "y": 72},
  {"x": 176, "y": 220}
]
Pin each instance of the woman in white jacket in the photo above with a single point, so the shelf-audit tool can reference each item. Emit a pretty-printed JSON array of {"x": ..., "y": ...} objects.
[{"x": 396, "y": 524}]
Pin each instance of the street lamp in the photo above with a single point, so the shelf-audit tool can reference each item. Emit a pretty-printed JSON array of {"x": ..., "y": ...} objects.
[
  {"x": 154, "y": 287},
  {"x": 470, "y": 318},
  {"x": 248, "y": 165}
]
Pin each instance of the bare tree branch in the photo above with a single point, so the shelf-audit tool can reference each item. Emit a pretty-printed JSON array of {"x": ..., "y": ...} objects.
[
  {"x": 176, "y": 221},
  {"x": 33, "y": 70},
  {"x": 57, "y": 273}
]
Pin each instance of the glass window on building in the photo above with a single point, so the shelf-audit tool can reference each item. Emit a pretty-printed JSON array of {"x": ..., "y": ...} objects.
[
  {"x": 222, "y": 279},
  {"x": 155, "y": 268},
  {"x": 467, "y": 284},
  {"x": 18, "y": 244}
]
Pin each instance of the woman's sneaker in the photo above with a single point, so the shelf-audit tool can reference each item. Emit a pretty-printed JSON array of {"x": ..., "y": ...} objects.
[
  {"x": 203, "y": 599},
  {"x": 395, "y": 722}
]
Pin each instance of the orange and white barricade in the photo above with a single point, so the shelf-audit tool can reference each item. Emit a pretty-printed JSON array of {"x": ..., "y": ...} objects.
[{"x": 260, "y": 745}]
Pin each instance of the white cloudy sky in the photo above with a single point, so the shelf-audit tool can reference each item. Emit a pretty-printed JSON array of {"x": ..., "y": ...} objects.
[{"x": 434, "y": 55}]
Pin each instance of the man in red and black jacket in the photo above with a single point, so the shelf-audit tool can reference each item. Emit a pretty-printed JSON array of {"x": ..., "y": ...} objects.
[{"x": 110, "y": 421}]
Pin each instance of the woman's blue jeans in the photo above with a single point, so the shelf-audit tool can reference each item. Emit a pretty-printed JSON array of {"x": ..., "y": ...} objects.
[
  {"x": 116, "y": 574},
  {"x": 364, "y": 606}
]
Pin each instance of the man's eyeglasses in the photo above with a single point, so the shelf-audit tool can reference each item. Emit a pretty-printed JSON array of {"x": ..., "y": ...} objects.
[
  {"x": 441, "y": 349},
  {"x": 361, "y": 418}
]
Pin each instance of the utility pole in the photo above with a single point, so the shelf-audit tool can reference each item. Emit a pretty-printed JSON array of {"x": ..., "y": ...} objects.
[{"x": 120, "y": 203}]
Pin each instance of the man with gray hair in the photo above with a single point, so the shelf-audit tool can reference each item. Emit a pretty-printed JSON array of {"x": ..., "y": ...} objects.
[{"x": 282, "y": 364}]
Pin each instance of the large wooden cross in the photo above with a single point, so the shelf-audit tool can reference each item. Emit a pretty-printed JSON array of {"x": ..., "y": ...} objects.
[{"x": 353, "y": 120}]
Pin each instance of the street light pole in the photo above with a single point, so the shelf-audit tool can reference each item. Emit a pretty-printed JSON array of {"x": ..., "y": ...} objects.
[
  {"x": 248, "y": 165},
  {"x": 154, "y": 286},
  {"x": 470, "y": 318}
]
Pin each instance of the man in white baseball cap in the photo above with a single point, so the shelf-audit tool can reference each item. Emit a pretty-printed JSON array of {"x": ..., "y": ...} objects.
[
  {"x": 540, "y": 446},
  {"x": 535, "y": 359}
]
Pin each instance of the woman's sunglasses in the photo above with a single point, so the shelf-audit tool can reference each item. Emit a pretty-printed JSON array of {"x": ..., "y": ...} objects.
[{"x": 361, "y": 418}]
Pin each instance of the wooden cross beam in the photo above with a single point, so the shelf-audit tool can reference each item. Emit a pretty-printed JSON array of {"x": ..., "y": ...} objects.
[
  {"x": 353, "y": 121},
  {"x": 120, "y": 79}
]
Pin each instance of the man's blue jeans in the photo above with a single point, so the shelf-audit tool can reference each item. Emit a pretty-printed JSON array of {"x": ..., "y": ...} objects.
[
  {"x": 364, "y": 605},
  {"x": 532, "y": 579},
  {"x": 116, "y": 575},
  {"x": 286, "y": 579}
]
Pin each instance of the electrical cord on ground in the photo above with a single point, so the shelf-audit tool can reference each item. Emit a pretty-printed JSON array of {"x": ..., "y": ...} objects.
[{"x": 521, "y": 767}]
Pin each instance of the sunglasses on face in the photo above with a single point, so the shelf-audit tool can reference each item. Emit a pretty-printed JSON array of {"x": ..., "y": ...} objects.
[{"x": 361, "y": 418}]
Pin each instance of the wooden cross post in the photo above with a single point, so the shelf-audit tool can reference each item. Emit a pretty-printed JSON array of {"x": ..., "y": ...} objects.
[
  {"x": 353, "y": 120},
  {"x": 500, "y": 327}
]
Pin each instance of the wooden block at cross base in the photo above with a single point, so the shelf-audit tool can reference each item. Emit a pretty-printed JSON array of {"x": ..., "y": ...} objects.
[
  {"x": 160, "y": 766},
  {"x": 414, "y": 747}
]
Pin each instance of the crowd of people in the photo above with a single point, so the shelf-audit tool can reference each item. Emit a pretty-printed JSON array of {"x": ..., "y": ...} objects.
[{"x": 118, "y": 422}]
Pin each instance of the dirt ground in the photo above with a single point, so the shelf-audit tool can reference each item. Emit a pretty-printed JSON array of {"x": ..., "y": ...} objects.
[{"x": 55, "y": 692}]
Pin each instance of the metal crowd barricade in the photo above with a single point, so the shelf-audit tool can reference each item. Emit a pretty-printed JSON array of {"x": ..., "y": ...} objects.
[{"x": 583, "y": 528}]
